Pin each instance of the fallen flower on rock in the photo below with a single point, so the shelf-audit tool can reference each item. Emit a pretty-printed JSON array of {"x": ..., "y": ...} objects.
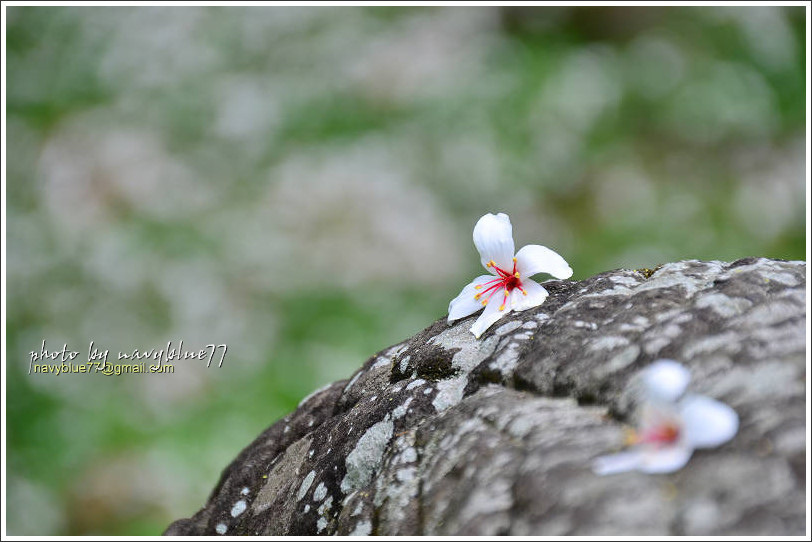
[
  {"x": 508, "y": 287},
  {"x": 671, "y": 425}
]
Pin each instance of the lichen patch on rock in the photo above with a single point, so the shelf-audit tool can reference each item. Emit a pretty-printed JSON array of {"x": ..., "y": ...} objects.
[{"x": 362, "y": 461}]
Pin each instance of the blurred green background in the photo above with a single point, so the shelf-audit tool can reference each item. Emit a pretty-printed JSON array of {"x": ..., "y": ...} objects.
[{"x": 301, "y": 184}]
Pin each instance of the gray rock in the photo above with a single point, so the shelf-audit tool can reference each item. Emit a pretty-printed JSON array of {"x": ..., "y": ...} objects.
[{"x": 446, "y": 434}]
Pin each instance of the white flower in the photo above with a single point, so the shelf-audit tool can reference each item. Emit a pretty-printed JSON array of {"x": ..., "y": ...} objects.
[
  {"x": 671, "y": 428},
  {"x": 665, "y": 380},
  {"x": 508, "y": 287}
]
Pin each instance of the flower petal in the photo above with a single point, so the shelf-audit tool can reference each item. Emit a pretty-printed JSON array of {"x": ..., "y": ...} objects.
[
  {"x": 536, "y": 295},
  {"x": 532, "y": 259},
  {"x": 707, "y": 423},
  {"x": 613, "y": 464},
  {"x": 493, "y": 238},
  {"x": 662, "y": 460},
  {"x": 465, "y": 304},
  {"x": 490, "y": 315},
  {"x": 665, "y": 380}
]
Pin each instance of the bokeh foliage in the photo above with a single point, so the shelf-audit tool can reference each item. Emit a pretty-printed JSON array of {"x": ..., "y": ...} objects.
[{"x": 301, "y": 184}]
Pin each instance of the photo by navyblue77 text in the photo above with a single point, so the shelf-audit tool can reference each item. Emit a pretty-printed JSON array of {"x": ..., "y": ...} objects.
[{"x": 97, "y": 359}]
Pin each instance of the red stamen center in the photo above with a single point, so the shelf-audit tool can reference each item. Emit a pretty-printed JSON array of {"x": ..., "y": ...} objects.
[
  {"x": 504, "y": 281},
  {"x": 662, "y": 434}
]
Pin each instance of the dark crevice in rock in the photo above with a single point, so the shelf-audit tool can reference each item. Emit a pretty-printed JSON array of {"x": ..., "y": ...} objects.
[
  {"x": 421, "y": 514},
  {"x": 742, "y": 262},
  {"x": 375, "y": 519},
  {"x": 561, "y": 388}
]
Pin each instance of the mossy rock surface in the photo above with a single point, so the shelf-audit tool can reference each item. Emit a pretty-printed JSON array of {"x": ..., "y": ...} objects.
[{"x": 446, "y": 434}]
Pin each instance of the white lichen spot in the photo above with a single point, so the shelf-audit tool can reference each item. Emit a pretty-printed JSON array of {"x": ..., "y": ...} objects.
[
  {"x": 470, "y": 351},
  {"x": 409, "y": 455},
  {"x": 372, "y": 399},
  {"x": 728, "y": 342},
  {"x": 416, "y": 383},
  {"x": 287, "y": 428},
  {"x": 310, "y": 453},
  {"x": 653, "y": 346},
  {"x": 638, "y": 323},
  {"x": 381, "y": 362},
  {"x": 358, "y": 509},
  {"x": 321, "y": 524},
  {"x": 641, "y": 321},
  {"x": 313, "y": 394},
  {"x": 609, "y": 342},
  {"x": 619, "y": 361},
  {"x": 307, "y": 508},
  {"x": 396, "y": 350},
  {"x": 362, "y": 461},
  {"x": 406, "y": 475},
  {"x": 588, "y": 325},
  {"x": 530, "y": 325},
  {"x": 400, "y": 411},
  {"x": 238, "y": 508},
  {"x": 682, "y": 318},
  {"x": 362, "y": 528},
  {"x": 624, "y": 280},
  {"x": 669, "y": 331},
  {"x": 404, "y": 363},
  {"x": 449, "y": 392},
  {"x": 723, "y": 305},
  {"x": 326, "y": 506},
  {"x": 244, "y": 491},
  {"x": 507, "y": 359},
  {"x": 520, "y": 426},
  {"x": 428, "y": 391},
  {"x": 504, "y": 329},
  {"x": 221, "y": 528},
  {"x": 352, "y": 381},
  {"x": 771, "y": 313},
  {"x": 387, "y": 357},
  {"x": 306, "y": 483},
  {"x": 320, "y": 492}
]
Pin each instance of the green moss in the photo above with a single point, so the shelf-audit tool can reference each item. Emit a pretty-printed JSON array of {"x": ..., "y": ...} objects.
[{"x": 646, "y": 272}]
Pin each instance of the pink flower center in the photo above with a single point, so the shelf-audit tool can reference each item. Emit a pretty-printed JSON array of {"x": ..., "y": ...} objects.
[
  {"x": 666, "y": 433},
  {"x": 504, "y": 282}
]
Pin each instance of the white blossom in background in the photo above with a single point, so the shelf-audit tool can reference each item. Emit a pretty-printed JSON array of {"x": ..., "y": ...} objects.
[
  {"x": 672, "y": 425},
  {"x": 360, "y": 205},
  {"x": 508, "y": 287}
]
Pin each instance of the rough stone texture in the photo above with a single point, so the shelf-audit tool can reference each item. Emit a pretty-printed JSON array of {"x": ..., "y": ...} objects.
[{"x": 446, "y": 434}]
